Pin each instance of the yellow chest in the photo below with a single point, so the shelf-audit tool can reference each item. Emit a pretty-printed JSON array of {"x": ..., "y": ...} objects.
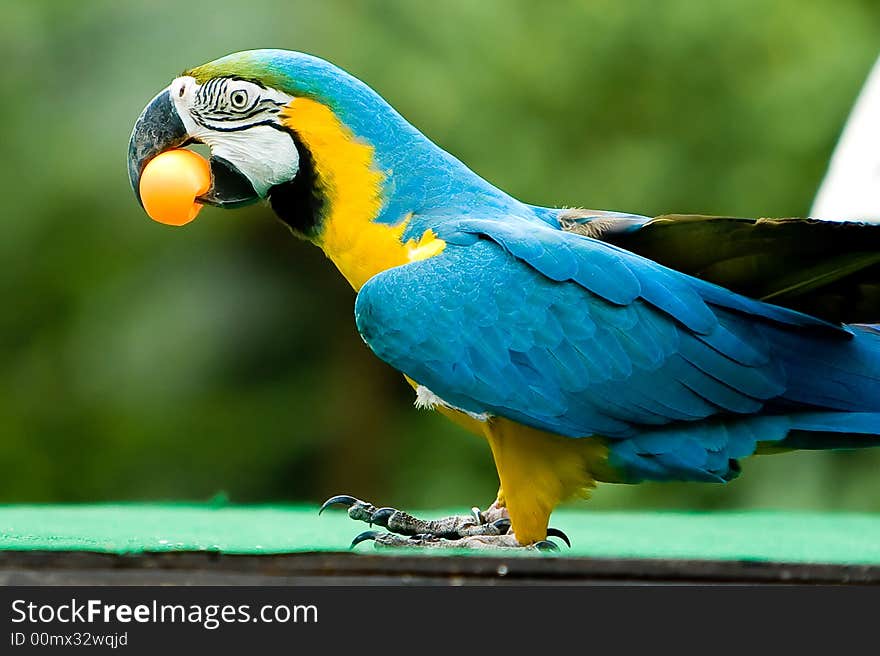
[{"x": 358, "y": 246}]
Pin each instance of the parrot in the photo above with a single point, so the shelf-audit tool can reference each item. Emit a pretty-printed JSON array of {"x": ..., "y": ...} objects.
[{"x": 585, "y": 346}]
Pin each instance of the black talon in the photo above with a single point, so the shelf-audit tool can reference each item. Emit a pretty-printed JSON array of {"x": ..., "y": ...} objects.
[
  {"x": 543, "y": 545},
  {"x": 363, "y": 537},
  {"x": 344, "y": 499},
  {"x": 556, "y": 533},
  {"x": 503, "y": 526},
  {"x": 381, "y": 516}
]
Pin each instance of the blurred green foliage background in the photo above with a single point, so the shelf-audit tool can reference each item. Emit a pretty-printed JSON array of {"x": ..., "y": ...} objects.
[{"x": 139, "y": 361}]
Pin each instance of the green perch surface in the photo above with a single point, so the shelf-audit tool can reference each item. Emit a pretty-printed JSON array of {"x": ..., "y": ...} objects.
[{"x": 832, "y": 538}]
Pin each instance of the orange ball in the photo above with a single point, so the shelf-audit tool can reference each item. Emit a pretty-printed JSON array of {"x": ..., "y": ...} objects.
[{"x": 170, "y": 184}]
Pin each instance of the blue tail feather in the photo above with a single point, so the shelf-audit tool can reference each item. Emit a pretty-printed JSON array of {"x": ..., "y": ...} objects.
[{"x": 831, "y": 401}]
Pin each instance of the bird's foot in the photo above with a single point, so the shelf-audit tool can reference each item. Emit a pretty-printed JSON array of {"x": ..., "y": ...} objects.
[
  {"x": 487, "y": 529},
  {"x": 426, "y": 541}
]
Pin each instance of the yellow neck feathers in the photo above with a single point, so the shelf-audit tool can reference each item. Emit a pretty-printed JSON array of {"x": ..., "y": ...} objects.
[{"x": 358, "y": 246}]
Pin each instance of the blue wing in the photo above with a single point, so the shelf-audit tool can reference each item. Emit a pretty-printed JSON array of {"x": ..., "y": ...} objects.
[{"x": 577, "y": 337}]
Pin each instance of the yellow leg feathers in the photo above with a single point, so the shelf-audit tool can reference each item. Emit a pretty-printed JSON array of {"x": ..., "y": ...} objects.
[{"x": 538, "y": 471}]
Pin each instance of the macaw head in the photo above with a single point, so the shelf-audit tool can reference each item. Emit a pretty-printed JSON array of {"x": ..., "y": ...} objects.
[
  {"x": 281, "y": 126},
  {"x": 335, "y": 161}
]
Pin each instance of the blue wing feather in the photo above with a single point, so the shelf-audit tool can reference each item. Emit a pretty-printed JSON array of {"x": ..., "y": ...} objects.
[{"x": 577, "y": 337}]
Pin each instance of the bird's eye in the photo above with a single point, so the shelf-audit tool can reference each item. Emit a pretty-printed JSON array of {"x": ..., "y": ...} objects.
[{"x": 239, "y": 99}]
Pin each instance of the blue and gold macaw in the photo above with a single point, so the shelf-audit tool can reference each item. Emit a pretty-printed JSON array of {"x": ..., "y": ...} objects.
[{"x": 582, "y": 345}]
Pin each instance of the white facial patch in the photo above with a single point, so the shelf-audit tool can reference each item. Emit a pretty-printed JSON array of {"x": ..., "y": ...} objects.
[
  {"x": 238, "y": 120},
  {"x": 265, "y": 156}
]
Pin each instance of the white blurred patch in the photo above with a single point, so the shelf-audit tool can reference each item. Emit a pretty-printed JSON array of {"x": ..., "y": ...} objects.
[{"x": 851, "y": 189}]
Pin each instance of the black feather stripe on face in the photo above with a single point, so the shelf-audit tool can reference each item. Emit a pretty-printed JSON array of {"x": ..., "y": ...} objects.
[
  {"x": 300, "y": 202},
  {"x": 212, "y": 105}
]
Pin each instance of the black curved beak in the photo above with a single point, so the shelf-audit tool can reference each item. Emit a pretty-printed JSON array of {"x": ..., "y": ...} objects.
[{"x": 158, "y": 129}]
